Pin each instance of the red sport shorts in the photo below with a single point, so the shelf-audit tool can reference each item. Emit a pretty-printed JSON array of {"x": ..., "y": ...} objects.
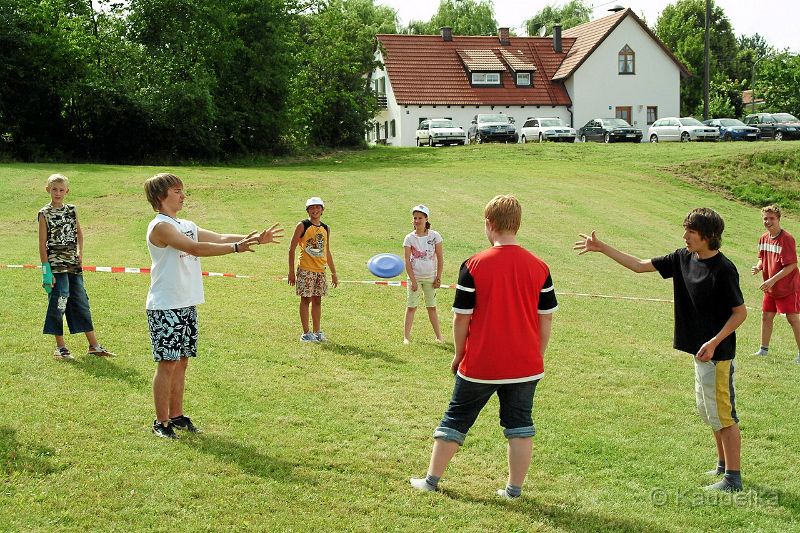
[{"x": 788, "y": 305}]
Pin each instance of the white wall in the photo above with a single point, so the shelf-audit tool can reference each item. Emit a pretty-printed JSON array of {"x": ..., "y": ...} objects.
[
  {"x": 597, "y": 88},
  {"x": 408, "y": 117}
]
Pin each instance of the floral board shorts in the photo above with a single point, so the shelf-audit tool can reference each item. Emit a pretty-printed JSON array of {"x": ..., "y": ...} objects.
[
  {"x": 173, "y": 333},
  {"x": 308, "y": 283}
]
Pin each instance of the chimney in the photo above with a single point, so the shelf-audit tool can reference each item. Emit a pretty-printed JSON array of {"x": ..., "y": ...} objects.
[
  {"x": 557, "y": 38},
  {"x": 447, "y": 33},
  {"x": 503, "y": 35}
]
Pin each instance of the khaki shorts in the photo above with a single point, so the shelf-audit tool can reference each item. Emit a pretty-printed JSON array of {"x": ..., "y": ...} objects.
[
  {"x": 309, "y": 283},
  {"x": 424, "y": 286}
]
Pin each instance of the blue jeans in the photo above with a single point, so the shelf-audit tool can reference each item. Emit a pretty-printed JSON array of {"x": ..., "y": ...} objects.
[
  {"x": 68, "y": 297},
  {"x": 469, "y": 398}
]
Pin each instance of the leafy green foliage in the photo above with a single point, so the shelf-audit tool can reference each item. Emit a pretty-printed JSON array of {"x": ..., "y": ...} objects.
[
  {"x": 681, "y": 27},
  {"x": 572, "y": 13},
  {"x": 464, "y": 17},
  {"x": 331, "y": 97},
  {"x": 778, "y": 82}
]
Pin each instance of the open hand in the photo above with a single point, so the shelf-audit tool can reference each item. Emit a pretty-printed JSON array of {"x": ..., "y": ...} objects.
[
  {"x": 756, "y": 269},
  {"x": 589, "y": 243},
  {"x": 273, "y": 234},
  {"x": 767, "y": 285}
]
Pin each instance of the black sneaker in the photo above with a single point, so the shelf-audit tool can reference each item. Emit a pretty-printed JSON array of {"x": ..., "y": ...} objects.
[
  {"x": 162, "y": 431},
  {"x": 184, "y": 422}
]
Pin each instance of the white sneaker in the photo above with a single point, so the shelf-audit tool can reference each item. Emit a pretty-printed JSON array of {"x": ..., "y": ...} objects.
[
  {"x": 308, "y": 337},
  {"x": 320, "y": 336},
  {"x": 762, "y": 353},
  {"x": 797, "y": 359},
  {"x": 420, "y": 484},
  {"x": 62, "y": 353},
  {"x": 503, "y": 493}
]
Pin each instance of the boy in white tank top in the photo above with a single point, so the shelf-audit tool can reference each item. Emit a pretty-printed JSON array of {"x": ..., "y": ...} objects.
[{"x": 176, "y": 288}]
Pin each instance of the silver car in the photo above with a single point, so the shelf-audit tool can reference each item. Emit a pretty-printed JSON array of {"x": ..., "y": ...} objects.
[
  {"x": 681, "y": 129},
  {"x": 546, "y": 129},
  {"x": 435, "y": 131}
]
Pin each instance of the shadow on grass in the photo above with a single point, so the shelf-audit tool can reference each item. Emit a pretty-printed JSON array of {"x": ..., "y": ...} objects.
[
  {"x": 19, "y": 458},
  {"x": 248, "y": 459},
  {"x": 567, "y": 517},
  {"x": 346, "y": 349},
  {"x": 104, "y": 368},
  {"x": 762, "y": 494}
]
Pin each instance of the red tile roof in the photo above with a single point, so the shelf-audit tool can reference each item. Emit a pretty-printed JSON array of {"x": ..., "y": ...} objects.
[
  {"x": 424, "y": 69},
  {"x": 480, "y": 60},
  {"x": 589, "y": 35}
]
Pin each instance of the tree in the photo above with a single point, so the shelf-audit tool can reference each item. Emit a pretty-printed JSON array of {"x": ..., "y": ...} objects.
[
  {"x": 777, "y": 82},
  {"x": 331, "y": 100},
  {"x": 681, "y": 28},
  {"x": 571, "y": 14},
  {"x": 465, "y": 17}
]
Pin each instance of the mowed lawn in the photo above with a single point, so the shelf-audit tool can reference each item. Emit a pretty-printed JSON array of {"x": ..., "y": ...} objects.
[{"x": 324, "y": 437}]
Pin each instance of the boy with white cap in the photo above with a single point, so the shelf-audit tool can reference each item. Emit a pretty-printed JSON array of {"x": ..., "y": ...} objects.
[{"x": 313, "y": 238}]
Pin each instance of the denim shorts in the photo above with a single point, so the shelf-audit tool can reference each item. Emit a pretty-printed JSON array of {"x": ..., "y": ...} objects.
[
  {"x": 68, "y": 298},
  {"x": 469, "y": 398}
]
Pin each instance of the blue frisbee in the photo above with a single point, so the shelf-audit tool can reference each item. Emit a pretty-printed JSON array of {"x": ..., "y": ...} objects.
[{"x": 386, "y": 265}]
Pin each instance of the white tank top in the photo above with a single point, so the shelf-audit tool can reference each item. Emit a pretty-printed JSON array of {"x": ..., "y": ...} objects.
[{"x": 176, "y": 279}]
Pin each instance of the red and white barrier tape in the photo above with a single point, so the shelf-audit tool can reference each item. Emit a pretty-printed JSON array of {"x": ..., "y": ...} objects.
[
  {"x": 128, "y": 270},
  {"x": 397, "y": 283}
]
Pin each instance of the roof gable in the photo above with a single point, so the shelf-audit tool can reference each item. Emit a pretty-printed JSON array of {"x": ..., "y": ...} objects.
[
  {"x": 589, "y": 35},
  {"x": 426, "y": 70}
]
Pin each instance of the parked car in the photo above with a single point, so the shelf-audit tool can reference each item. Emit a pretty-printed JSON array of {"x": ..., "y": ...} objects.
[
  {"x": 609, "y": 130},
  {"x": 495, "y": 127},
  {"x": 778, "y": 126},
  {"x": 439, "y": 131},
  {"x": 683, "y": 129},
  {"x": 731, "y": 129},
  {"x": 546, "y": 129}
]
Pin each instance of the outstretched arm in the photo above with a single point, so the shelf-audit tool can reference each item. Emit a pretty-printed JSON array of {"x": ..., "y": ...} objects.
[
  {"x": 591, "y": 243},
  {"x": 164, "y": 234},
  {"x": 273, "y": 234}
]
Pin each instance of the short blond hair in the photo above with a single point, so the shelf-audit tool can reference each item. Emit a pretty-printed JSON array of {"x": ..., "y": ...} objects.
[
  {"x": 57, "y": 178},
  {"x": 504, "y": 212},
  {"x": 157, "y": 187},
  {"x": 772, "y": 208}
]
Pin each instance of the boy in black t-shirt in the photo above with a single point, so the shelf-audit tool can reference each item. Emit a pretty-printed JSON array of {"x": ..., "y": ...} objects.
[{"x": 708, "y": 308}]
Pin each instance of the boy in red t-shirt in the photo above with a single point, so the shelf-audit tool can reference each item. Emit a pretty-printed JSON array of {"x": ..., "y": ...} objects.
[
  {"x": 503, "y": 317},
  {"x": 777, "y": 261}
]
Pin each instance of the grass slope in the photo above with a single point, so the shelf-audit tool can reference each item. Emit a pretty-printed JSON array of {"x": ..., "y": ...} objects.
[{"x": 324, "y": 438}]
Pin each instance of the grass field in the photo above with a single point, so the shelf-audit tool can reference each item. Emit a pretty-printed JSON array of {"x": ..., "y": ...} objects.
[{"x": 325, "y": 437}]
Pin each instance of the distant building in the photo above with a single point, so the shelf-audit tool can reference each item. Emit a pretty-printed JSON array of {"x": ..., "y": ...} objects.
[{"x": 610, "y": 67}]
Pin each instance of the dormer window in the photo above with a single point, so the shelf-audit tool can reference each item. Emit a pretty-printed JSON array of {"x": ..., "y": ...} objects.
[
  {"x": 523, "y": 79},
  {"x": 485, "y": 78},
  {"x": 627, "y": 60}
]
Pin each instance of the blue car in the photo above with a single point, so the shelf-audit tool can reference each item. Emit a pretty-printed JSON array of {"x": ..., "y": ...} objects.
[{"x": 731, "y": 129}]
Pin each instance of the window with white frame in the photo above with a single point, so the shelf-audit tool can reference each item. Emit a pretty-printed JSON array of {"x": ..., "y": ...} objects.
[
  {"x": 523, "y": 78},
  {"x": 486, "y": 78}
]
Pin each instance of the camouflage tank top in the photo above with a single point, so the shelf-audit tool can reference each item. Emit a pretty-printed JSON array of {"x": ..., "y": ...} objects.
[{"x": 62, "y": 238}]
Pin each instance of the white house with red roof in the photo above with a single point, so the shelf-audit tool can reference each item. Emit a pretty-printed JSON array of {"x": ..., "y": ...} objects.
[{"x": 614, "y": 66}]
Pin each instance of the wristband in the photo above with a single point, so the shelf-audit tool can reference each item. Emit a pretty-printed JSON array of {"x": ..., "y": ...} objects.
[{"x": 47, "y": 277}]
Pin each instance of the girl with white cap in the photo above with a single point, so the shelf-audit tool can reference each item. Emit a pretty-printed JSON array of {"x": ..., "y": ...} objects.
[{"x": 422, "y": 250}]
